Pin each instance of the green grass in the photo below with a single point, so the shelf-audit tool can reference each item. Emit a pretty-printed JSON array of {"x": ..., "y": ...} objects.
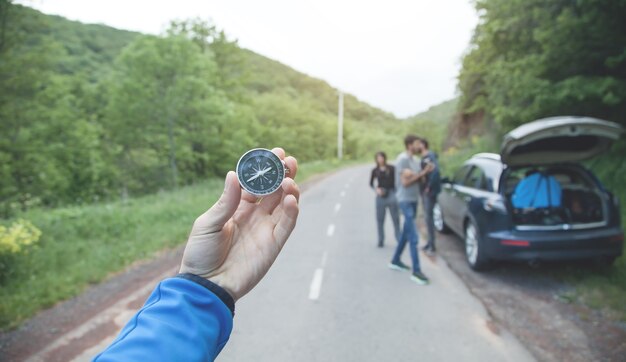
[
  {"x": 600, "y": 288},
  {"x": 83, "y": 245}
]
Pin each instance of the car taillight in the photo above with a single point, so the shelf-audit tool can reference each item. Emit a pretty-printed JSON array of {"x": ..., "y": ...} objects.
[{"x": 508, "y": 242}]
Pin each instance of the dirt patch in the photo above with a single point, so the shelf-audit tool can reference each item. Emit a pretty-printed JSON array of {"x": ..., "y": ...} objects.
[{"x": 539, "y": 310}]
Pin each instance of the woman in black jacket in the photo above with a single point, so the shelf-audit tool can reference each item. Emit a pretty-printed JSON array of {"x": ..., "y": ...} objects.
[{"x": 382, "y": 181}]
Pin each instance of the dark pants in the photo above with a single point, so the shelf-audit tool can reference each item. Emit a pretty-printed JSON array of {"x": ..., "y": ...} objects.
[
  {"x": 409, "y": 233},
  {"x": 382, "y": 204},
  {"x": 429, "y": 204}
]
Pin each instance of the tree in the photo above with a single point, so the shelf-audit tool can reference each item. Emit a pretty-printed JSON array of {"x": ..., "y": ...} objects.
[
  {"x": 531, "y": 58},
  {"x": 163, "y": 105}
]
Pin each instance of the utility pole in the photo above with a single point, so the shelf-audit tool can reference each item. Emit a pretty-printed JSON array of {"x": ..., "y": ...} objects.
[{"x": 340, "y": 128}]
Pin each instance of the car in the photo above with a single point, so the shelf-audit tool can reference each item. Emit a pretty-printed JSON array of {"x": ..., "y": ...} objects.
[{"x": 477, "y": 202}]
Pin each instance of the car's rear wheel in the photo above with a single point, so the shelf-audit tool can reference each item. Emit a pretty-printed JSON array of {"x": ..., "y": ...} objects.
[
  {"x": 440, "y": 224},
  {"x": 474, "y": 252}
]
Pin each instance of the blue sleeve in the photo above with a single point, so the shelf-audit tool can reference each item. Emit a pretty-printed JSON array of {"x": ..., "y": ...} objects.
[
  {"x": 182, "y": 320},
  {"x": 433, "y": 178}
]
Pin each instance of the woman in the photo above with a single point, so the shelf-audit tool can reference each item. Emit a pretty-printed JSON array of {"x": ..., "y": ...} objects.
[{"x": 382, "y": 181}]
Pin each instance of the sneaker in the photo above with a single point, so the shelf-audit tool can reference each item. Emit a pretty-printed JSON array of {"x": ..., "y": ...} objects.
[
  {"x": 419, "y": 278},
  {"x": 398, "y": 266},
  {"x": 430, "y": 251}
]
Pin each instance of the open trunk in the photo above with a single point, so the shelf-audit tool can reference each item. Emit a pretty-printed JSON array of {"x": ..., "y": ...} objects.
[
  {"x": 583, "y": 204},
  {"x": 556, "y": 140}
]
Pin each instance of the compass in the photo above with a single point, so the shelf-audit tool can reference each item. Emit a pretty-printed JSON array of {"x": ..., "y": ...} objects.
[{"x": 260, "y": 171}]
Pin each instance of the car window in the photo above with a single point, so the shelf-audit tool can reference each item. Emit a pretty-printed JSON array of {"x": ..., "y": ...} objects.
[
  {"x": 476, "y": 179},
  {"x": 459, "y": 176},
  {"x": 493, "y": 171}
]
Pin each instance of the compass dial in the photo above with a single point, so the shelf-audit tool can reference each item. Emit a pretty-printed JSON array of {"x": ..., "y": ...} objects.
[{"x": 260, "y": 171}]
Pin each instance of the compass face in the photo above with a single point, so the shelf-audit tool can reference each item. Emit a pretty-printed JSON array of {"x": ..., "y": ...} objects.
[{"x": 260, "y": 171}]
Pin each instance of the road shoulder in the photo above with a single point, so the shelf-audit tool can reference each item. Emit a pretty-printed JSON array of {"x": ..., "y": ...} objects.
[{"x": 538, "y": 309}]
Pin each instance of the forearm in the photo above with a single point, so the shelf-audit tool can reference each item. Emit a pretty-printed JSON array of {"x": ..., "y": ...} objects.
[
  {"x": 181, "y": 320},
  {"x": 408, "y": 179}
]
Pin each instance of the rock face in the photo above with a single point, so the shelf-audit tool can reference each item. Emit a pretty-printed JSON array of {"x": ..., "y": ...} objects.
[{"x": 465, "y": 126}]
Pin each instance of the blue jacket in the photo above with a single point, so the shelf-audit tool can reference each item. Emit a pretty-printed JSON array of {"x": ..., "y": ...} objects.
[{"x": 186, "y": 318}]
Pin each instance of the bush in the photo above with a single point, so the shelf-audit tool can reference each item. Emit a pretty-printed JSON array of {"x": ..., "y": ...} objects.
[
  {"x": 18, "y": 236},
  {"x": 14, "y": 240}
]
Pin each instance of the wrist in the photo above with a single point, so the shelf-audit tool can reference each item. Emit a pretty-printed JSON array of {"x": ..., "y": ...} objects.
[
  {"x": 222, "y": 293},
  {"x": 220, "y": 281}
]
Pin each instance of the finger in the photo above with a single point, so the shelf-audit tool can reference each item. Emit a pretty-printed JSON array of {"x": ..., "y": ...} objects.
[
  {"x": 287, "y": 187},
  {"x": 292, "y": 165},
  {"x": 290, "y": 187},
  {"x": 279, "y": 152},
  {"x": 214, "y": 219},
  {"x": 248, "y": 197},
  {"x": 287, "y": 221}
]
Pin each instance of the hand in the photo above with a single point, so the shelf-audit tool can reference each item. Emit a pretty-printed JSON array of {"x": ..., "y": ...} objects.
[
  {"x": 379, "y": 191},
  {"x": 235, "y": 242},
  {"x": 430, "y": 167}
]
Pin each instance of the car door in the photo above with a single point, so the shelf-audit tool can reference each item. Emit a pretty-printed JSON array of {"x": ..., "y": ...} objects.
[
  {"x": 454, "y": 207},
  {"x": 474, "y": 187}
]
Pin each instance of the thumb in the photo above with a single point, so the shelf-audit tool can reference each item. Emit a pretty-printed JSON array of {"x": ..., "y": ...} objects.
[{"x": 214, "y": 219}]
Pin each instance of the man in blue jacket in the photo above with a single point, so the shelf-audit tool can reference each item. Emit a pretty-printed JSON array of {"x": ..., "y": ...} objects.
[
  {"x": 429, "y": 189},
  {"x": 230, "y": 248}
]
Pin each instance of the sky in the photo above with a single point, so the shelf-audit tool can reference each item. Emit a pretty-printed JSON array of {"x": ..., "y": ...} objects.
[{"x": 399, "y": 55}]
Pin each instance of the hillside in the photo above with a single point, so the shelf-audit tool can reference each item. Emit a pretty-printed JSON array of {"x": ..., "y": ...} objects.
[
  {"x": 441, "y": 113},
  {"x": 101, "y": 112}
]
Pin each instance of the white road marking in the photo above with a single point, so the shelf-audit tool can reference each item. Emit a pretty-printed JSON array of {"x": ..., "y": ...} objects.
[
  {"x": 342, "y": 194},
  {"x": 331, "y": 230},
  {"x": 337, "y": 207},
  {"x": 316, "y": 284},
  {"x": 324, "y": 258}
]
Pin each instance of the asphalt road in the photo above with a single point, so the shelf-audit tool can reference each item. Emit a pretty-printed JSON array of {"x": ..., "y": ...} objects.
[{"x": 331, "y": 297}]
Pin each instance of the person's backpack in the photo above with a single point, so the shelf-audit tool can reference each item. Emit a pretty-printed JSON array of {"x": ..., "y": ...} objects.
[{"x": 537, "y": 190}]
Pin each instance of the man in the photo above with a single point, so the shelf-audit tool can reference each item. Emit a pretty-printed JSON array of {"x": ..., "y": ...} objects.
[
  {"x": 408, "y": 176},
  {"x": 429, "y": 189},
  {"x": 231, "y": 246}
]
